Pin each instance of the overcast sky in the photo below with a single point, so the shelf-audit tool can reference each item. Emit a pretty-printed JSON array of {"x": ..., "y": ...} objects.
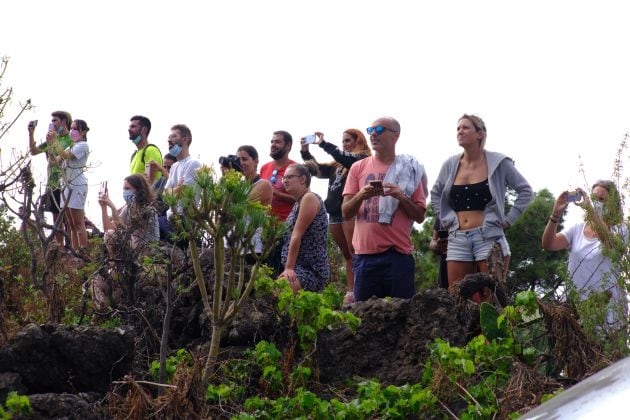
[{"x": 550, "y": 78}]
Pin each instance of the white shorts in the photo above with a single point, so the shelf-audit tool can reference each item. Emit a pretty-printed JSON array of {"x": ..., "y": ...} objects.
[{"x": 77, "y": 198}]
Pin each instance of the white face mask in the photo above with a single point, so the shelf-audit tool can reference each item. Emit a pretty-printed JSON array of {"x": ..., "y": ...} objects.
[{"x": 599, "y": 208}]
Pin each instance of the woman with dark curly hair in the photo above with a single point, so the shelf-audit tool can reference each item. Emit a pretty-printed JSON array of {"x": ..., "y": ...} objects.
[
  {"x": 355, "y": 148},
  {"x": 138, "y": 214}
]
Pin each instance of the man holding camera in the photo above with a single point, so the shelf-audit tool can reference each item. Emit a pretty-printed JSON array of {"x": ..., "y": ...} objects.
[
  {"x": 139, "y": 128},
  {"x": 386, "y": 193}
]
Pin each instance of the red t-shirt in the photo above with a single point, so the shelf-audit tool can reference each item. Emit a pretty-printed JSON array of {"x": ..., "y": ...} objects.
[
  {"x": 370, "y": 236},
  {"x": 279, "y": 207}
]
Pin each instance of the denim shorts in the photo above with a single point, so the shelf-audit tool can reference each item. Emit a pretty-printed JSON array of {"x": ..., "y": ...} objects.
[{"x": 472, "y": 245}]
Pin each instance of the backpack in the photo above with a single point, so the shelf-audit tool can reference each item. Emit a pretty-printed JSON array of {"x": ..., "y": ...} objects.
[{"x": 143, "y": 152}]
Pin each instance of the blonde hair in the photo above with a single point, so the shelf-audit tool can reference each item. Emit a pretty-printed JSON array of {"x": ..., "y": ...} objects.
[{"x": 479, "y": 125}]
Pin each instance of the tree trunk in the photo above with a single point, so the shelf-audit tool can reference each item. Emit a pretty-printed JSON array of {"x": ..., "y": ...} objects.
[
  {"x": 166, "y": 325},
  {"x": 213, "y": 352}
]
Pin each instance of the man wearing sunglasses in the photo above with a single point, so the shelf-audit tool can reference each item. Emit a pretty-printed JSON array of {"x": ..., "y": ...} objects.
[
  {"x": 387, "y": 194},
  {"x": 281, "y": 202}
]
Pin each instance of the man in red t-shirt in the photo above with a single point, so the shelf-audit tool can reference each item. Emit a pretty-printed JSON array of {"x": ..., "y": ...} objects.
[
  {"x": 282, "y": 202},
  {"x": 387, "y": 194}
]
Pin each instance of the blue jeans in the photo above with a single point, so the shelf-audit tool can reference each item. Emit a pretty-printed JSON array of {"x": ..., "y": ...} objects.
[{"x": 389, "y": 273}]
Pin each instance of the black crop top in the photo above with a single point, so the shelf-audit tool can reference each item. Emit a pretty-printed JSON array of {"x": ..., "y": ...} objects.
[{"x": 471, "y": 196}]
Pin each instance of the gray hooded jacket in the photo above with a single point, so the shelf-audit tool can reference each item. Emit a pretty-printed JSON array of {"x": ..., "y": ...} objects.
[{"x": 501, "y": 174}]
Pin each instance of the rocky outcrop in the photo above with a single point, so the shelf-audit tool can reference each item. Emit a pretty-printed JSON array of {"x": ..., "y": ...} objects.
[
  {"x": 392, "y": 340},
  {"x": 58, "y": 359}
]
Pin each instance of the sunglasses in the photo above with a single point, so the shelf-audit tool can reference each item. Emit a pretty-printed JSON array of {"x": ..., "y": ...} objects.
[
  {"x": 378, "y": 129},
  {"x": 274, "y": 175}
]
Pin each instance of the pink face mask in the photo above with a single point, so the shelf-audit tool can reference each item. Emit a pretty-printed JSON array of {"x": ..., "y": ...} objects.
[{"x": 75, "y": 135}]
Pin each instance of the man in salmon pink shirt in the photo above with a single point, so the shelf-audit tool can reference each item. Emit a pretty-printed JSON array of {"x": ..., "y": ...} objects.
[{"x": 387, "y": 194}]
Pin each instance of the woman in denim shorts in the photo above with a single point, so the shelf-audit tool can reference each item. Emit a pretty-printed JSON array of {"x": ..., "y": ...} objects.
[
  {"x": 355, "y": 148},
  {"x": 468, "y": 197}
]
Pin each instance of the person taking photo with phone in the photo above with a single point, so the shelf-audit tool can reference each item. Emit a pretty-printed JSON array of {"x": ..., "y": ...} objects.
[
  {"x": 60, "y": 126},
  {"x": 355, "y": 148},
  {"x": 137, "y": 218},
  {"x": 386, "y": 192},
  {"x": 469, "y": 198},
  {"x": 590, "y": 268}
]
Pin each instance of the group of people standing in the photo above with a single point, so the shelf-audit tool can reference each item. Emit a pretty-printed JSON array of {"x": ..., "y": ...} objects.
[{"x": 374, "y": 197}]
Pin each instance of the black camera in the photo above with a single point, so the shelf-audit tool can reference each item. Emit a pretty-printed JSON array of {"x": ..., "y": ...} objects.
[{"x": 231, "y": 161}]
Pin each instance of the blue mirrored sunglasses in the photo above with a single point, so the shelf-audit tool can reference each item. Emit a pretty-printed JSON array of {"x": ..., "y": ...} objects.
[
  {"x": 274, "y": 174},
  {"x": 378, "y": 129}
]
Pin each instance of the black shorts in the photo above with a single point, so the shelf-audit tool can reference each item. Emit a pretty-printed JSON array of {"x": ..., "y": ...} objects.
[{"x": 52, "y": 200}]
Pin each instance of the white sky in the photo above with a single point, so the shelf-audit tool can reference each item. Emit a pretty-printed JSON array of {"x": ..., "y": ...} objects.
[{"x": 550, "y": 78}]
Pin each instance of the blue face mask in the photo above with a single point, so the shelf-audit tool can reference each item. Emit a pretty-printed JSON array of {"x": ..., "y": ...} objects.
[
  {"x": 136, "y": 140},
  {"x": 128, "y": 195},
  {"x": 175, "y": 150},
  {"x": 60, "y": 130}
]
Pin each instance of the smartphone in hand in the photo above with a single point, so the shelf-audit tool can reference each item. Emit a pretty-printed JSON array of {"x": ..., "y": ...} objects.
[
  {"x": 574, "y": 196},
  {"x": 310, "y": 139},
  {"x": 377, "y": 185},
  {"x": 32, "y": 124}
]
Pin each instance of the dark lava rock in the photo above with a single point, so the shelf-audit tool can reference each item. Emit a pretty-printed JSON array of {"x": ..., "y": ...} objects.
[
  {"x": 58, "y": 359},
  {"x": 392, "y": 340},
  {"x": 63, "y": 406}
]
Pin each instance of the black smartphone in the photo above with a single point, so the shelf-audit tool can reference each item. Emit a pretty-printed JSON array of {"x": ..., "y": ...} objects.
[
  {"x": 442, "y": 233},
  {"x": 377, "y": 184}
]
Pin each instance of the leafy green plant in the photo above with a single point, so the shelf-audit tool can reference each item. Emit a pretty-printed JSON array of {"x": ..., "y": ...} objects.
[
  {"x": 17, "y": 405},
  {"x": 220, "y": 208},
  {"x": 181, "y": 357},
  {"x": 310, "y": 312}
]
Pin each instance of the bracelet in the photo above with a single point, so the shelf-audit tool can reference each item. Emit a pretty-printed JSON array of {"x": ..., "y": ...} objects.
[{"x": 552, "y": 220}]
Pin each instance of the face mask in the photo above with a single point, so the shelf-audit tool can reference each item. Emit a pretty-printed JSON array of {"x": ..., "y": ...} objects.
[
  {"x": 128, "y": 195},
  {"x": 599, "y": 208},
  {"x": 60, "y": 130},
  {"x": 175, "y": 150},
  {"x": 75, "y": 135},
  {"x": 137, "y": 139}
]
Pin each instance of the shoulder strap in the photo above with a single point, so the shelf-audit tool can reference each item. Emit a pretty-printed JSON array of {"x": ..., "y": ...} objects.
[{"x": 145, "y": 149}]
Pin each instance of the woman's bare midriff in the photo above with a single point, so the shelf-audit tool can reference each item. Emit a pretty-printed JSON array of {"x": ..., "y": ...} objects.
[{"x": 470, "y": 219}]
